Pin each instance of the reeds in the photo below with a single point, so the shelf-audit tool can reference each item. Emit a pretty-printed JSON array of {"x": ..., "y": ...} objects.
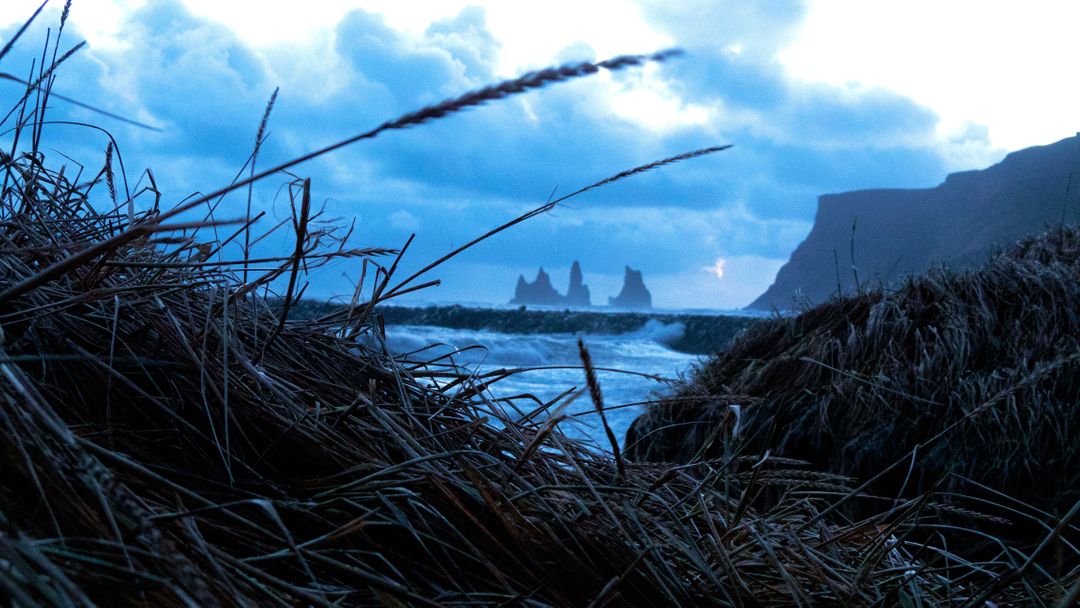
[{"x": 168, "y": 436}]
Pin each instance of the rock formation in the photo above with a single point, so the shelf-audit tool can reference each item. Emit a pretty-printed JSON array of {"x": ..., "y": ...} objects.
[
  {"x": 633, "y": 294},
  {"x": 539, "y": 291},
  {"x": 578, "y": 292},
  {"x": 902, "y": 232}
]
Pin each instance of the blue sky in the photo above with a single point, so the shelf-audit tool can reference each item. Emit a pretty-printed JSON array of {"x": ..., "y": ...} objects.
[{"x": 807, "y": 112}]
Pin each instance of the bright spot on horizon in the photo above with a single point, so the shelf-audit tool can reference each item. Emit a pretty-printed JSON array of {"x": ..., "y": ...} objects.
[{"x": 717, "y": 269}]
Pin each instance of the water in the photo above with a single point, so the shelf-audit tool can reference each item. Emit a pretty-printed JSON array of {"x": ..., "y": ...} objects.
[
  {"x": 558, "y": 308},
  {"x": 642, "y": 352}
]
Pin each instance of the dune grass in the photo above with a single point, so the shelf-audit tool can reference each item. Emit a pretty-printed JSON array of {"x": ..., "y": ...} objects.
[
  {"x": 170, "y": 437},
  {"x": 967, "y": 382}
]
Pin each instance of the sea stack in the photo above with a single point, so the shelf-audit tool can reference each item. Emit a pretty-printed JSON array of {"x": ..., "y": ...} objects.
[
  {"x": 634, "y": 293},
  {"x": 542, "y": 292},
  {"x": 578, "y": 292},
  {"x": 539, "y": 291}
]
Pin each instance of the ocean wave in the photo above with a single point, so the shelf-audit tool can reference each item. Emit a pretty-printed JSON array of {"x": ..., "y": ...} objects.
[
  {"x": 658, "y": 331},
  {"x": 641, "y": 352}
]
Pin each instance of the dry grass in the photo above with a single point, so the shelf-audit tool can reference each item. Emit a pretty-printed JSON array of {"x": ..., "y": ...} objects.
[
  {"x": 966, "y": 382},
  {"x": 169, "y": 437}
]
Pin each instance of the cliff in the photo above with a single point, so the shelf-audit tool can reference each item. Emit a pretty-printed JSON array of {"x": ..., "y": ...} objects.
[
  {"x": 633, "y": 294},
  {"x": 896, "y": 233}
]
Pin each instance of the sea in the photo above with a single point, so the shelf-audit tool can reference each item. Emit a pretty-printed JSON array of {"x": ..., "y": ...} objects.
[{"x": 637, "y": 368}]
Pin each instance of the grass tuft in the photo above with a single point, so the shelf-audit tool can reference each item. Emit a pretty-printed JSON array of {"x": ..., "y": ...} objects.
[{"x": 967, "y": 382}]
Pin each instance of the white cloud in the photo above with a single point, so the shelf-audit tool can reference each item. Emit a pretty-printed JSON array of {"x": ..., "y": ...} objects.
[
  {"x": 648, "y": 101},
  {"x": 99, "y": 20},
  {"x": 1000, "y": 64},
  {"x": 529, "y": 35},
  {"x": 1003, "y": 65},
  {"x": 403, "y": 220}
]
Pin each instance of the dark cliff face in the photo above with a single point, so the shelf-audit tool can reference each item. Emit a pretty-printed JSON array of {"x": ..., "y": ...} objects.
[
  {"x": 633, "y": 294},
  {"x": 901, "y": 232}
]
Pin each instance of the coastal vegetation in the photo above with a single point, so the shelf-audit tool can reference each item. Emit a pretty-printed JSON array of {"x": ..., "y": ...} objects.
[
  {"x": 965, "y": 383},
  {"x": 171, "y": 435}
]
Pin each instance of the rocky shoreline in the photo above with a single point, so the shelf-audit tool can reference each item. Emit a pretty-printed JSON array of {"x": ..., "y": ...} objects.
[{"x": 701, "y": 334}]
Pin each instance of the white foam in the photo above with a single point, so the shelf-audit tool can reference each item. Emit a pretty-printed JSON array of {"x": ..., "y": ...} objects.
[
  {"x": 658, "y": 331},
  {"x": 482, "y": 351}
]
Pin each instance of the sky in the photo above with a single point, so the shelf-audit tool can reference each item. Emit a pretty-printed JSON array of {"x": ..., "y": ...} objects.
[{"x": 815, "y": 97}]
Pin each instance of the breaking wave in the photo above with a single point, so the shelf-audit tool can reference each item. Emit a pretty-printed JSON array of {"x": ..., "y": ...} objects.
[{"x": 642, "y": 351}]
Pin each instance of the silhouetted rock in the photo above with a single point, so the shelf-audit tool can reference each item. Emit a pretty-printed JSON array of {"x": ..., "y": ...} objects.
[
  {"x": 578, "y": 292},
  {"x": 539, "y": 291},
  {"x": 903, "y": 232},
  {"x": 633, "y": 294}
]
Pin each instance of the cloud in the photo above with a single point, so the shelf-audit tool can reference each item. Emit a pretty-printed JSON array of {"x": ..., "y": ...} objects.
[
  {"x": 403, "y": 220},
  {"x": 456, "y": 178},
  {"x": 469, "y": 42}
]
